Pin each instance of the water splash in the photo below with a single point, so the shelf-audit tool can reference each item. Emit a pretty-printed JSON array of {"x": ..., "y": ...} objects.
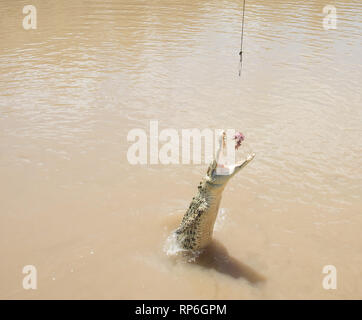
[{"x": 173, "y": 248}]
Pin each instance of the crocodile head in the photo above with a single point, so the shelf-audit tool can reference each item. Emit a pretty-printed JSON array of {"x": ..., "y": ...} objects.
[{"x": 222, "y": 169}]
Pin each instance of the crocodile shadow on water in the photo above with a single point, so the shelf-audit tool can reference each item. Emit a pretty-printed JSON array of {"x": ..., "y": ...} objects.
[{"x": 215, "y": 256}]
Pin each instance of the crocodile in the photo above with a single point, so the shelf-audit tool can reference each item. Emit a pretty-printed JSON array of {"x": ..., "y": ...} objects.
[{"x": 196, "y": 228}]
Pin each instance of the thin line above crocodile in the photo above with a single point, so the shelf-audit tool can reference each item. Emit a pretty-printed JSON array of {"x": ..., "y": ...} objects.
[{"x": 196, "y": 229}]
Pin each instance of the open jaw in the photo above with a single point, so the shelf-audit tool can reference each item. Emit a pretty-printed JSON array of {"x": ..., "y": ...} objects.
[{"x": 225, "y": 165}]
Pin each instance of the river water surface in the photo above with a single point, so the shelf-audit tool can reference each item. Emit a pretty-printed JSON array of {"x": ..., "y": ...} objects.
[{"x": 94, "y": 226}]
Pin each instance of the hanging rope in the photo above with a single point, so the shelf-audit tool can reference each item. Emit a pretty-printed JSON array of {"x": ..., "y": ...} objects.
[{"x": 241, "y": 45}]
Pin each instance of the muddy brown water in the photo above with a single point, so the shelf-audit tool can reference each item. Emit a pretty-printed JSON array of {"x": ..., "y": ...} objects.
[{"x": 94, "y": 226}]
